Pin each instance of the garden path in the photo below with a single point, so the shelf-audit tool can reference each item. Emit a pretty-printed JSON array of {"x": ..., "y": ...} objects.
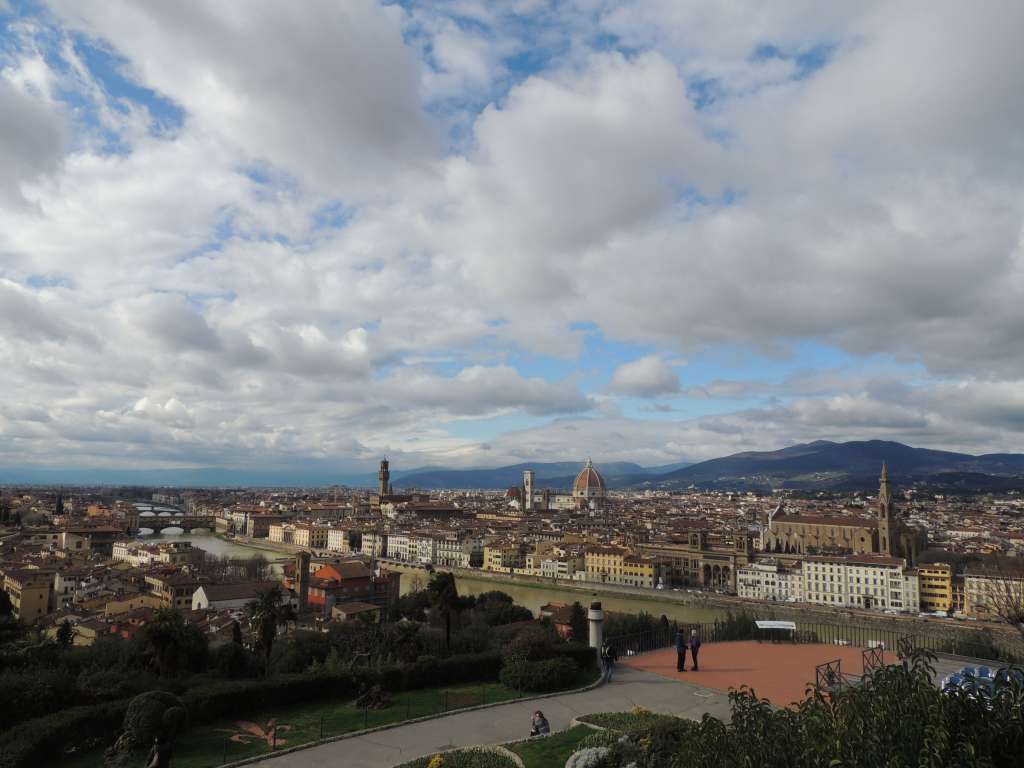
[{"x": 508, "y": 722}]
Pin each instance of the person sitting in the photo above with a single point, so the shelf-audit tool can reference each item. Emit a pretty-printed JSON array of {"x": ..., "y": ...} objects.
[{"x": 539, "y": 725}]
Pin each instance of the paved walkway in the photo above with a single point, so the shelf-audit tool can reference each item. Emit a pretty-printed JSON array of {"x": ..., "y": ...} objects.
[
  {"x": 779, "y": 672},
  {"x": 509, "y": 722}
]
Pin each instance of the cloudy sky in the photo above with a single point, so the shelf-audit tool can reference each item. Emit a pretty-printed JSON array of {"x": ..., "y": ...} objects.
[{"x": 271, "y": 235}]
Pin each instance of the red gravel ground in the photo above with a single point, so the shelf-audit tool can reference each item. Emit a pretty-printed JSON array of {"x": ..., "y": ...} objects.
[{"x": 779, "y": 672}]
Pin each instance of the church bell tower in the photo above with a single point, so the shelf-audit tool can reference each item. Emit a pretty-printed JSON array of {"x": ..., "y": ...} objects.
[
  {"x": 384, "y": 476},
  {"x": 886, "y": 517}
]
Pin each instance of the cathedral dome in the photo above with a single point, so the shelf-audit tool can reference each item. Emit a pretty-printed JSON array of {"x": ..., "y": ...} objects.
[{"x": 589, "y": 482}]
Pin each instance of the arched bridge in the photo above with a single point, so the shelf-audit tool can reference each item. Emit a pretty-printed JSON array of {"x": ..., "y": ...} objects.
[{"x": 185, "y": 522}]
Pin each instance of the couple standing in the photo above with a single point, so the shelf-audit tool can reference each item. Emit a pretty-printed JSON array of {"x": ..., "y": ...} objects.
[{"x": 681, "y": 646}]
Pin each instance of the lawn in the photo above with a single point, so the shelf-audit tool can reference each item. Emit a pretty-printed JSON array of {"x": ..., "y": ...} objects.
[
  {"x": 551, "y": 751},
  {"x": 208, "y": 745}
]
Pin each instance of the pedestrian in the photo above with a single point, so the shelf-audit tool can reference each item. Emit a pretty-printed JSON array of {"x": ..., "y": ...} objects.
[
  {"x": 680, "y": 651},
  {"x": 539, "y": 725},
  {"x": 160, "y": 755},
  {"x": 694, "y": 647},
  {"x": 609, "y": 656}
]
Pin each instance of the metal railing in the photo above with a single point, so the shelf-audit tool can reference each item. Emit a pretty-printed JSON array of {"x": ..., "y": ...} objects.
[{"x": 896, "y": 640}]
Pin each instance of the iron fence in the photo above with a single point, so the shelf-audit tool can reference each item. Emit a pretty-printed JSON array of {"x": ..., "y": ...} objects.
[{"x": 895, "y": 640}]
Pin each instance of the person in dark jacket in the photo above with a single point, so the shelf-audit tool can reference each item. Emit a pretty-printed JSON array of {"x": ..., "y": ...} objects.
[
  {"x": 694, "y": 647},
  {"x": 539, "y": 725},
  {"x": 609, "y": 656},
  {"x": 680, "y": 651},
  {"x": 160, "y": 755}
]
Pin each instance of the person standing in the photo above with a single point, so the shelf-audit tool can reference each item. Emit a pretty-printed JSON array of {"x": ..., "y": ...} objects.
[
  {"x": 609, "y": 656},
  {"x": 680, "y": 651},
  {"x": 694, "y": 647}
]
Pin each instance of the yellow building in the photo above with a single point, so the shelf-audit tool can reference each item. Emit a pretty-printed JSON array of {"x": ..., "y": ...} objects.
[
  {"x": 311, "y": 535},
  {"x": 503, "y": 556},
  {"x": 604, "y": 564},
  {"x": 29, "y": 590},
  {"x": 936, "y": 587}
]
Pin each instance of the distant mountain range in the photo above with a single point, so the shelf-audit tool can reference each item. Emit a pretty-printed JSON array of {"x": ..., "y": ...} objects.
[
  {"x": 818, "y": 465},
  {"x": 558, "y": 474},
  {"x": 824, "y": 464},
  {"x": 821, "y": 465}
]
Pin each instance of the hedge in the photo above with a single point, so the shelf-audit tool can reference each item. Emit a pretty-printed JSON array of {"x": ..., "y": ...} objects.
[
  {"x": 584, "y": 656},
  {"x": 541, "y": 676},
  {"x": 36, "y": 741},
  {"x": 31, "y": 742}
]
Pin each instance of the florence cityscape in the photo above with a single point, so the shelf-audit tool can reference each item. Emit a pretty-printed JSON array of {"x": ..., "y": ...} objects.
[{"x": 519, "y": 384}]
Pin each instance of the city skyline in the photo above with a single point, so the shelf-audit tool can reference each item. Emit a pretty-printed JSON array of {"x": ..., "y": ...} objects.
[{"x": 471, "y": 236}]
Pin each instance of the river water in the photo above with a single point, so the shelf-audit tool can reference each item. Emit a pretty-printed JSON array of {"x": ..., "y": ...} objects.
[
  {"x": 208, "y": 542},
  {"x": 534, "y": 596}
]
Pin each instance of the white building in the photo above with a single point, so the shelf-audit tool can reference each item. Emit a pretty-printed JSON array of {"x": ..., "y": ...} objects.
[
  {"x": 374, "y": 544},
  {"x": 861, "y": 581},
  {"x": 767, "y": 580},
  {"x": 399, "y": 546}
]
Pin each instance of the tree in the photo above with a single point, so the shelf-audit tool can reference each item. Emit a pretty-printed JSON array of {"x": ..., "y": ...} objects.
[
  {"x": 66, "y": 634},
  {"x": 578, "y": 623},
  {"x": 6, "y": 606},
  {"x": 444, "y": 597},
  {"x": 266, "y": 613},
  {"x": 170, "y": 645},
  {"x": 236, "y": 633}
]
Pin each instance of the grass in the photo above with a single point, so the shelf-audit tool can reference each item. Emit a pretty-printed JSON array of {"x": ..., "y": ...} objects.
[
  {"x": 626, "y": 722},
  {"x": 463, "y": 758},
  {"x": 551, "y": 751},
  {"x": 212, "y": 744}
]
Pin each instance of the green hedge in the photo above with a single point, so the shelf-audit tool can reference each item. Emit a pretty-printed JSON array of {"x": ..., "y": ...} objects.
[
  {"x": 464, "y": 758},
  {"x": 542, "y": 676},
  {"x": 37, "y": 741},
  {"x": 31, "y": 742},
  {"x": 584, "y": 656}
]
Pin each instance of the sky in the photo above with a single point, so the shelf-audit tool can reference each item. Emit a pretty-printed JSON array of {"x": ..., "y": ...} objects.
[{"x": 268, "y": 235}]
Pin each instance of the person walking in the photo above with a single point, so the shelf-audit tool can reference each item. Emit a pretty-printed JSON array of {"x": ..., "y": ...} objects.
[
  {"x": 694, "y": 647},
  {"x": 680, "y": 651},
  {"x": 609, "y": 656}
]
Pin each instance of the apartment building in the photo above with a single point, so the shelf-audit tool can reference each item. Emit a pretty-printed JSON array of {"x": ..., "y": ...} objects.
[
  {"x": 936, "y": 587},
  {"x": 770, "y": 580},
  {"x": 29, "y": 590},
  {"x": 861, "y": 581}
]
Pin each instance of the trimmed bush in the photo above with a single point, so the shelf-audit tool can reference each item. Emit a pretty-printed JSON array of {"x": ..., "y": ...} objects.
[
  {"x": 463, "y": 758},
  {"x": 584, "y": 656},
  {"x": 541, "y": 676},
  {"x": 39, "y": 741}
]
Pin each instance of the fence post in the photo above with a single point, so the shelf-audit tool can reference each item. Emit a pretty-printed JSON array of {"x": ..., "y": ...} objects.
[
  {"x": 273, "y": 746},
  {"x": 321, "y": 726},
  {"x": 366, "y": 717},
  {"x": 408, "y": 708},
  {"x": 483, "y": 693},
  {"x": 446, "y": 700},
  {"x": 224, "y": 759}
]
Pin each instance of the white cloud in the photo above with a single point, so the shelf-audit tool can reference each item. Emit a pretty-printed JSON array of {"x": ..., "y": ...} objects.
[
  {"x": 297, "y": 272},
  {"x": 648, "y": 376}
]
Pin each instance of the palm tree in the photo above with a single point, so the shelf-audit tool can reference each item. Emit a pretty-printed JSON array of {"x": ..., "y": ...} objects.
[
  {"x": 266, "y": 613},
  {"x": 164, "y": 642},
  {"x": 66, "y": 634},
  {"x": 444, "y": 597}
]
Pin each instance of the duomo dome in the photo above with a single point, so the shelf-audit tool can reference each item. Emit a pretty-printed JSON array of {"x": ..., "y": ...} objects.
[{"x": 589, "y": 483}]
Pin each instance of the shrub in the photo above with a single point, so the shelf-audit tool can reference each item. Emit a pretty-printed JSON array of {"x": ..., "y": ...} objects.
[
  {"x": 463, "y": 758},
  {"x": 540, "y": 676},
  {"x": 584, "y": 656},
  {"x": 530, "y": 644},
  {"x": 39, "y": 741}
]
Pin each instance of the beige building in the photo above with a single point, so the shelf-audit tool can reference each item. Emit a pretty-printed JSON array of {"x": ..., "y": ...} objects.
[
  {"x": 993, "y": 592},
  {"x": 29, "y": 590},
  {"x": 770, "y": 580},
  {"x": 936, "y": 584}
]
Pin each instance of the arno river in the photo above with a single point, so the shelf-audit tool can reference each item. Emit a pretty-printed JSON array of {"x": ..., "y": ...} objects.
[
  {"x": 527, "y": 595},
  {"x": 534, "y": 596}
]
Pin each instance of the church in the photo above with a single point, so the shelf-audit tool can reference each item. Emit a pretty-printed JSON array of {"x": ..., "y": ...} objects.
[
  {"x": 885, "y": 534},
  {"x": 588, "y": 492}
]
